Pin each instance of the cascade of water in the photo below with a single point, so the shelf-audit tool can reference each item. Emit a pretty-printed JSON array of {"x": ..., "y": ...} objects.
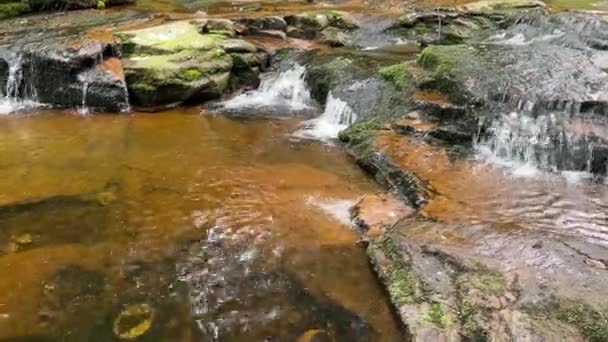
[
  {"x": 84, "y": 110},
  {"x": 15, "y": 78},
  {"x": 285, "y": 89},
  {"x": 553, "y": 142},
  {"x": 17, "y": 94},
  {"x": 336, "y": 117}
]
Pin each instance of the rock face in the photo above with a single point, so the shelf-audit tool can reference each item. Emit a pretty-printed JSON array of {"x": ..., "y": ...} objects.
[
  {"x": 67, "y": 74},
  {"x": 452, "y": 273},
  {"x": 175, "y": 62}
]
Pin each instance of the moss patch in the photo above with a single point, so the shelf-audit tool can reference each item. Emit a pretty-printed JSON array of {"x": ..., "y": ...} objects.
[
  {"x": 436, "y": 316},
  {"x": 591, "y": 321},
  {"x": 360, "y": 137},
  {"x": 398, "y": 74},
  {"x": 172, "y": 37},
  {"x": 403, "y": 285},
  {"x": 445, "y": 70},
  {"x": 13, "y": 9}
]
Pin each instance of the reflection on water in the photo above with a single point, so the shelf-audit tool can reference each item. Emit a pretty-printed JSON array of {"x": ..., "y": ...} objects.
[{"x": 187, "y": 227}]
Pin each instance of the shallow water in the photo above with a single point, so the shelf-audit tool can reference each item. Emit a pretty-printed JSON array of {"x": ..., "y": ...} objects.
[
  {"x": 227, "y": 229},
  {"x": 485, "y": 192}
]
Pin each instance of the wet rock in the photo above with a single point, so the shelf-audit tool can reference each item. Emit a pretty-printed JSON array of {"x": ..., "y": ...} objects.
[
  {"x": 185, "y": 65},
  {"x": 217, "y": 26},
  {"x": 31, "y": 221},
  {"x": 46, "y": 5},
  {"x": 373, "y": 214},
  {"x": 478, "y": 292},
  {"x": 232, "y": 267},
  {"x": 134, "y": 321},
  {"x": 452, "y": 134},
  {"x": 599, "y": 160},
  {"x": 70, "y": 73},
  {"x": 494, "y": 6},
  {"x": 308, "y": 25},
  {"x": 334, "y": 37},
  {"x": 255, "y": 24}
]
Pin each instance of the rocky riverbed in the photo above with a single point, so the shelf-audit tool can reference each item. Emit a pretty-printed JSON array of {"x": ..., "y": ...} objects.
[{"x": 484, "y": 123}]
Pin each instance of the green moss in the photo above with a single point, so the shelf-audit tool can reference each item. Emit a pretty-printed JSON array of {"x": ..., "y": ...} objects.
[
  {"x": 101, "y": 4},
  {"x": 436, "y": 316},
  {"x": 360, "y": 137},
  {"x": 489, "y": 282},
  {"x": 591, "y": 321},
  {"x": 13, "y": 9},
  {"x": 445, "y": 69},
  {"x": 403, "y": 285},
  {"x": 191, "y": 75},
  {"x": 172, "y": 37},
  {"x": 398, "y": 74}
]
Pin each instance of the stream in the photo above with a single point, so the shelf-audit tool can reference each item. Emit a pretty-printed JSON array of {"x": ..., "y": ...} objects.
[
  {"x": 257, "y": 223},
  {"x": 153, "y": 218}
]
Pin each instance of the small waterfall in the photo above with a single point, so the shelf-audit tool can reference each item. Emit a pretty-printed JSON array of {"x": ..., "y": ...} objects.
[
  {"x": 17, "y": 94},
  {"x": 84, "y": 110},
  {"x": 286, "y": 89},
  {"x": 553, "y": 142},
  {"x": 336, "y": 117}
]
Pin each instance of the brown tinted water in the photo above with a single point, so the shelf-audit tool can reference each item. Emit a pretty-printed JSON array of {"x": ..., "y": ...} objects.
[
  {"x": 474, "y": 192},
  {"x": 216, "y": 225}
]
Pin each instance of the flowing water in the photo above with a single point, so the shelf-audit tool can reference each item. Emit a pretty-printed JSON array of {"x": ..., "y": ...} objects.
[{"x": 211, "y": 228}]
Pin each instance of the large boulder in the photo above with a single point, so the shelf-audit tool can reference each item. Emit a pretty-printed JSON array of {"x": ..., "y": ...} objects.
[
  {"x": 187, "y": 61},
  {"x": 64, "y": 73}
]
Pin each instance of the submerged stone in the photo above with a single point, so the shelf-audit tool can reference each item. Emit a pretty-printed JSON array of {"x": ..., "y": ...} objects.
[{"x": 134, "y": 321}]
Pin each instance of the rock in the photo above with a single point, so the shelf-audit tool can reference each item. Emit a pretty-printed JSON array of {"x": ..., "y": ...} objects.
[
  {"x": 373, "y": 214},
  {"x": 309, "y": 25},
  {"x": 164, "y": 79},
  {"x": 45, "y": 5},
  {"x": 71, "y": 74},
  {"x": 254, "y": 24},
  {"x": 217, "y": 26},
  {"x": 599, "y": 160},
  {"x": 466, "y": 295},
  {"x": 175, "y": 63},
  {"x": 276, "y": 34},
  {"x": 334, "y": 37},
  {"x": 134, "y": 321},
  {"x": 13, "y": 9},
  {"x": 452, "y": 134},
  {"x": 23, "y": 239},
  {"x": 493, "y": 6}
]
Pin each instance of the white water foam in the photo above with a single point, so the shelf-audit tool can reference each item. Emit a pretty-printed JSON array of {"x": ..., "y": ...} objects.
[
  {"x": 521, "y": 144},
  {"x": 285, "y": 89},
  {"x": 13, "y": 99},
  {"x": 339, "y": 209},
  {"x": 336, "y": 117}
]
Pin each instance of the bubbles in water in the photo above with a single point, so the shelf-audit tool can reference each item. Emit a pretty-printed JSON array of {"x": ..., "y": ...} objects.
[
  {"x": 15, "y": 91},
  {"x": 285, "y": 89},
  {"x": 336, "y": 117},
  {"x": 336, "y": 208}
]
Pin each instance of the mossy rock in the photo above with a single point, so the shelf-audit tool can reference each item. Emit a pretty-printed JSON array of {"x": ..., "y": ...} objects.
[
  {"x": 164, "y": 79},
  {"x": 398, "y": 74},
  {"x": 168, "y": 38},
  {"x": 446, "y": 70},
  {"x": 13, "y": 9},
  {"x": 501, "y": 6},
  {"x": 309, "y": 25}
]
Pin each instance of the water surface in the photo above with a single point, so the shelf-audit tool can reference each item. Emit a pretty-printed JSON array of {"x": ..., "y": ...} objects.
[{"x": 226, "y": 229}]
